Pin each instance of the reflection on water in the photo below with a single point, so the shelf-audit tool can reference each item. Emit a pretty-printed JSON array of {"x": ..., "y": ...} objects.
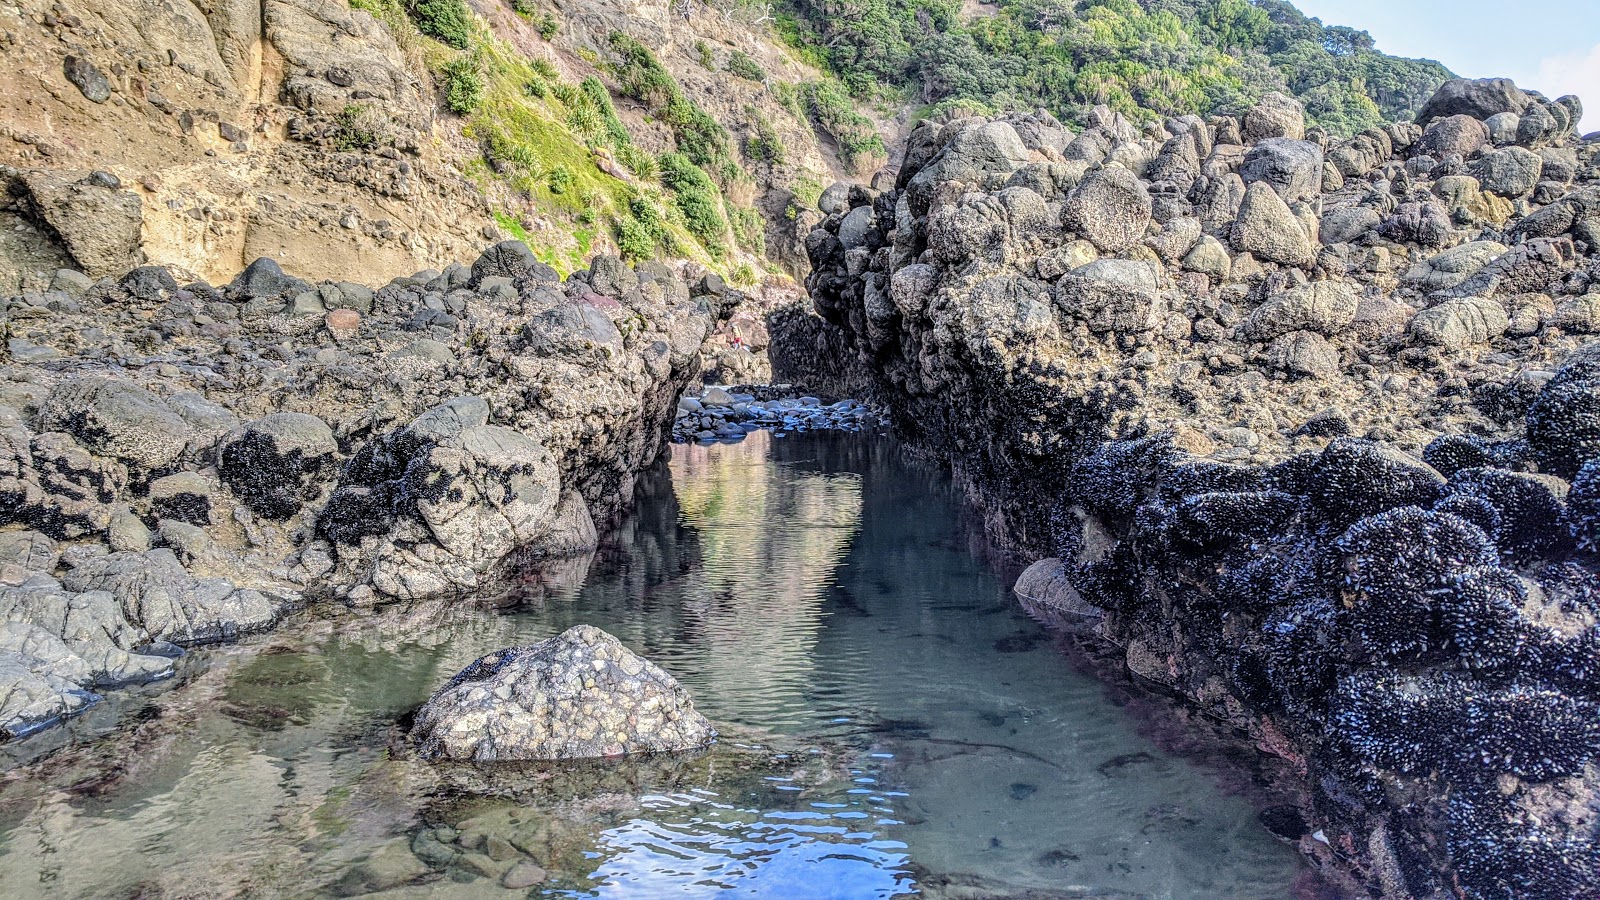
[{"x": 893, "y": 727}]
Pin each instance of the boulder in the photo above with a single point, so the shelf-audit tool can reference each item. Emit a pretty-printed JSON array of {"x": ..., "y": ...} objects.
[
  {"x": 264, "y": 280},
  {"x": 1118, "y": 296},
  {"x": 580, "y": 694},
  {"x": 272, "y": 464},
  {"x": 1292, "y": 168},
  {"x": 1453, "y": 266},
  {"x": 1479, "y": 98},
  {"x": 1458, "y": 134},
  {"x": 1267, "y": 229},
  {"x": 1456, "y": 324},
  {"x": 1275, "y": 116},
  {"x": 1324, "y": 307},
  {"x": 1110, "y": 207},
  {"x": 1512, "y": 173},
  {"x": 117, "y": 418},
  {"x": 161, "y": 597},
  {"x": 1303, "y": 353},
  {"x": 99, "y": 225}
]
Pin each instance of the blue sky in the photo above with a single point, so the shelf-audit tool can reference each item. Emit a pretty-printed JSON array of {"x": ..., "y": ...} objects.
[{"x": 1552, "y": 46}]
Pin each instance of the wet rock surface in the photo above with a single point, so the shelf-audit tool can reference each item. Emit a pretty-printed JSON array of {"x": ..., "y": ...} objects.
[
  {"x": 578, "y": 695},
  {"x": 1311, "y": 469},
  {"x": 182, "y": 463}
]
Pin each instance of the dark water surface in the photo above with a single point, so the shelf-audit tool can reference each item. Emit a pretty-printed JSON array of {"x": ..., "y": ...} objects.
[{"x": 893, "y": 726}]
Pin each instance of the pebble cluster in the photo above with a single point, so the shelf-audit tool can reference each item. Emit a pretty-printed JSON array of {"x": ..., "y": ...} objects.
[{"x": 720, "y": 414}]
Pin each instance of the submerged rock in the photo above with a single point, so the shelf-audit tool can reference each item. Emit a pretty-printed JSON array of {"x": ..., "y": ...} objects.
[{"x": 577, "y": 695}]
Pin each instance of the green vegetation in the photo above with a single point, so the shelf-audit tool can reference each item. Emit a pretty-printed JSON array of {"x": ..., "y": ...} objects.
[
  {"x": 511, "y": 225},
  {"x": 860, "y": 145},
  {"x": 355, "y": 129},
  {"x": 807, "y": 190},
  {"x": 763, "y": 142},
  {"x": 696, "y": 133},
  {"x": 447, "y": 21},
  {"x": 463, "y": 84},
  {"x": 740, "y": 64},
  {"x": 697, "y": 198},
  {"x": 1144, "y": 59},
  {"x": 702, "y": 52}
]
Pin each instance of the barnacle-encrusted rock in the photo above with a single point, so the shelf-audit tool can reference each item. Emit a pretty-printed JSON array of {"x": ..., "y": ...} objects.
[
  {"x": 1528, "y": 507},
  {"x": 271, "y": 463},
  {"x": 118, "y": 419},
  {"x": 1397, "y": 567},
  {"x": 579, "y": 694},
  {"x": 1357, "y": 478},
  {"x": 1564, "y": 422}
]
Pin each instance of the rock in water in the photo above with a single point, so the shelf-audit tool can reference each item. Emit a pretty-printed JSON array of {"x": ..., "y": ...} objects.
[{"x": 579, "y": 694}]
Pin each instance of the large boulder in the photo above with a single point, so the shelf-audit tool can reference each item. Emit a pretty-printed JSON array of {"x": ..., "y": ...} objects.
[
  {"x": 1110, "y": 207},
  {"x": 580, "y": 694},
  {"x": 159, "y": 595},
  {"x": 1479, "y": 98},
  {"x": 273, "y": 463},
  {"x": 1512, "y": 173},
  {"x": 1293, "y": 168},
  {"x": 264, "y": 279},
  {"x": 1453, "y": 266},
  {"x": 1324, "y": 307},
  {"x": 1275, "y": 116},
  {"x": 1119, "y": 296},
  {"x": 99, "y": 225},
  {"x": 1267, "y": 229},
  {"x": 1462, "y": 135},
  {"x": 117, "y": 418},
  {"x": 1457, "y": 324}
]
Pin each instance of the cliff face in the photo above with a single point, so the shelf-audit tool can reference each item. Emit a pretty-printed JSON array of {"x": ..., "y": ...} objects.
[
  {"x": 181, "y": 134},
  {"x": 1305, "y": 427},
  {"x": 206, "y": 135}
]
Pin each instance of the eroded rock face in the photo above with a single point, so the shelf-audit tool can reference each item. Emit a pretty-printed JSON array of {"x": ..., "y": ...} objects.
[
  {"x": 1314, "y": 464},
  {"x": 579, "y": 694}
]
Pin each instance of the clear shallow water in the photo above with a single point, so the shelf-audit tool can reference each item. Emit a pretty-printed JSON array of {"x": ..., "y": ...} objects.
[{"x": 893, "y": 726}]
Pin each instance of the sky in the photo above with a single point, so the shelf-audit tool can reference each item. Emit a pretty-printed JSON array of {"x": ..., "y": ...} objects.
[{"x": 1551, "y": 46}]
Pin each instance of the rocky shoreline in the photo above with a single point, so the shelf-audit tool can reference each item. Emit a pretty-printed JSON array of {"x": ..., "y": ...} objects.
[
  {"x": 184, "y": 463},
  {"x": 1302, "y": 427}
]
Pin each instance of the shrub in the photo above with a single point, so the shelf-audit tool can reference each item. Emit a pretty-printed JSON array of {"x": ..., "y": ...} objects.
[
  {"x": 559, "y": 180},
  {"x": 749, "y": 231},
  {"x": 639, "y": 161},
  {"x": 354, "y": 129},
  {"x": 642, "y": 77},
  {"x": 857, "y": 137},
  {"x": 642, "y": 231},
  {"x": 447, "y": 21},
  {"x": 598, "y": 98},
  {"x": 548, "y": 26},
  {"x": 742, "y": 65},
  {"x": 763, "y": 142},
  {"x": 523, "y": 8},
  {"x": 807, "y": 191},
  {"x": 463, "y": 84},
  {"x": 703, "y": 52},
  {"x": 697, "y": 197}
]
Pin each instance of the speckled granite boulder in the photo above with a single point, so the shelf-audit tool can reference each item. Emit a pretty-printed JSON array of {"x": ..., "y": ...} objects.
[{"x": 579, "y": 694}]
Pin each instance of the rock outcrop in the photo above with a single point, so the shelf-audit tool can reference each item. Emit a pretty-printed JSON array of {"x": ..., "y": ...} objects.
[
  {"x": 577, "y": 695},
  {"x": 1304, "y": 450},
  {"x": 182, "y": 464}
]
